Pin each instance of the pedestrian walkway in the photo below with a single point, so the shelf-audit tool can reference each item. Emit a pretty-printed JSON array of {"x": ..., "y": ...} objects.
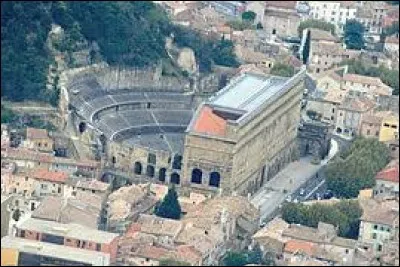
[{"x": 286, "y": 182}]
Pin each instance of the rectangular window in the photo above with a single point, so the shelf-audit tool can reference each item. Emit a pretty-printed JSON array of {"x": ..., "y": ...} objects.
[
  {"x": 98, "y": 247},
  {"x": 374, "y": 236},
  {"x": 22, "y": 233},
  {"x": 394, "y": 126},
  {"x": 375, "y": 227},
  {"x": 386, "y": 125}
]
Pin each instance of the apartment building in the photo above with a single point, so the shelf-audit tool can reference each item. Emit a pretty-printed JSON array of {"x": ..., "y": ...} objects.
[
  {"x": 335, "y": 12},
  {"x": 68, "y": 235}
]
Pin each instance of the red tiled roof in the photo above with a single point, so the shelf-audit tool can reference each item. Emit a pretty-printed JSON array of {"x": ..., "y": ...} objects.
[
  {"x": 209, "y": 123},
  {"x": 153, "y": 252},
  {"x": 51, "y": 176},
  {"x": 293, "y": 246},
  {"x": 390, "y": 173},
  {"x": 33, "y": 133},
  {"x": 133, "y": 228}
]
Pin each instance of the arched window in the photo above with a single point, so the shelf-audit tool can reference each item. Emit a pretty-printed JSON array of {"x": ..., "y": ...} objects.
[
  {"x": 151, "y": 159},
  {"x": 175, "y": 178},
  {"x": 161, "y": 174},
  {"x": 114, "y": 160},
  {"x": 196, "y": 176},
  {"x": 177, "y": 162},
  {"x": 138, "y": 168},
  {"x": 150, "y": 171},
  {"x": 214, "y": 179},
  {"x": 82, "y": 127}
]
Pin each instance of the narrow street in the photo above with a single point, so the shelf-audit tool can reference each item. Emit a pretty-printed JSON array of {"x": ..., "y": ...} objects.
[{"x": 287, "y": 183}]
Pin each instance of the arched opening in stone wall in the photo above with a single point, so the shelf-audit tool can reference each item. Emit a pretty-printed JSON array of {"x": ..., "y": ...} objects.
[
  {"x": 161, "y": 174},
  {"x": 175, "y": 178},
  {"x": 214, "y": 179},
  {"x": 114, "y": 160},
  {"x": 151, "y": 159},
  {"x": 150, "y": 171},
  {"x": 177, "y": 162},
  {"x": 138, "y": 168},
  {"x": 82, "y": 127},
  {"x": 197, "y": 176}
]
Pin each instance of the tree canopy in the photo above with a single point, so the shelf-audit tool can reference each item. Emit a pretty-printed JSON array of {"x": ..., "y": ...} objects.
[
  {"x": 253, "y": 256},
  {"x": 7, "y": 115},
  {"x": 249, "y": 16},
  {"x": 281, "y": 69},
  {"x": 354, "y": 34},
  {"x": 169, "y": 207},
  {"x": 113, "y": 26},
  {"x": 208, "y": 51},
  {"x": 306, "y": 49},
  {"x": 316, "y": 24},
  {"x": 345, "y": 215},
  {"x": 357, "y": 167}
]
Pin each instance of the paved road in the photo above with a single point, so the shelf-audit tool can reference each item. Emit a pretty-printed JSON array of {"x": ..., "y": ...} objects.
[
  {"x": 316, "y": 185},
  {"x": 297, "y": 174}
]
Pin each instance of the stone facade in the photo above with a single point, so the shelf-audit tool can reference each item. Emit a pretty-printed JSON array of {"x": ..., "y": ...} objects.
[
  {"x": 248, "y": 154},
  {"x": 314, "y": 138}
]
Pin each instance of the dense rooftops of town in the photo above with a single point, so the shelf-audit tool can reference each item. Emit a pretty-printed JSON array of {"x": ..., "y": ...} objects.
[
  {"x": 44, "y": 249},
  {"x": 71, "y": 230}
]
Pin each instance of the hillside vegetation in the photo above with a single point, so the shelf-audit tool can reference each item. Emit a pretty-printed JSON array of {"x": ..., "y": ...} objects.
[{"x": 127, "y": 33}]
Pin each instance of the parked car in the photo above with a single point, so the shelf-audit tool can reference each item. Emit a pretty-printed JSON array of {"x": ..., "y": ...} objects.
[
  {"x": 302, "y": 191},
  {"x": 328, "y": 195}
]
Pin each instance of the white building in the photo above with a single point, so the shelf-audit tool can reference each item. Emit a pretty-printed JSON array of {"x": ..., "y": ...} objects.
[{"x": 333, "y": 12}]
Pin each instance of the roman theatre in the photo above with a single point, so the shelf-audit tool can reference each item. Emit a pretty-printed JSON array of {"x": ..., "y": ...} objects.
[{"x": 152, "y": 129}]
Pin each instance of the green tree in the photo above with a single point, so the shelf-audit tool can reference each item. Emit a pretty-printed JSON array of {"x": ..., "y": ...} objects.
[
  {"x": 16, "y": 215},
  {"x": 7, "y": 115},
  {"x": 235, "y": 259},
  {"x": 344, "y": 175},
  {"x": 255, "y": 256},
  {"x": 345, "y": 215},
  {"x": 354, "y": 34},
  {"x": 169, "y": 207},
  {"x": 315, "y": 24},
  {"x": 281, "y": 69},
  {"x": 249, "y": 16},
  {"x": 306, "y": 49}
]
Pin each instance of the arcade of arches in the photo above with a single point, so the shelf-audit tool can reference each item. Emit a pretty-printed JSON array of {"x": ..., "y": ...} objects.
[{"x": 197, "y": 177}]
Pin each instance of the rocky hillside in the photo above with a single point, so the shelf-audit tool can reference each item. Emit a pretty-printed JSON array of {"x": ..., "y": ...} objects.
[{"x": 120, "y": 33}]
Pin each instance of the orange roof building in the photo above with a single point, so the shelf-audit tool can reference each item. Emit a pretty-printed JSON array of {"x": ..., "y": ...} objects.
[
  {"x": 210, "y": 123},
  {"x": 298, "y": 246},
  {"x": 50, "y": 176},
  {"x": 390, "y": 173},
  {"x": 235, "y": 128}
]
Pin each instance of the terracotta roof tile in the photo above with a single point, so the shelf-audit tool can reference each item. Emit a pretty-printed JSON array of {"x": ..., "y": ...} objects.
[
  {"x": 209, "y": 123},
  {"x": 33, "y": 133},
  {"x": 362, "y": 79},
  {"x": 390, "y": 173},
  {"x": 293, "y": 246},
  {"x": 51, "y": 176}
]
